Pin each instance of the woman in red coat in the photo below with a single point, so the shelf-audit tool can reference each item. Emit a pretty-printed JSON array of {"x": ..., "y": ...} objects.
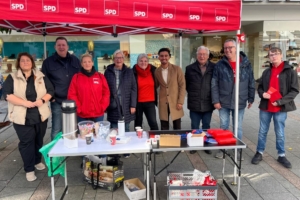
[{"x": 90, "y": 91}]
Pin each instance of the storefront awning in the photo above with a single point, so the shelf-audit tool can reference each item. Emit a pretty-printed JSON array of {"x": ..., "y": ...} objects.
[{"x": 113, "y": 17}]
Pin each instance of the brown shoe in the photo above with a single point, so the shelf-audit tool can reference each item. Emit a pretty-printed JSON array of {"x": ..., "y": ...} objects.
[
  {"x": 30, "y": 176},
  {"x": 40, "y": 166},
  {"x": 3, "y": 124}
]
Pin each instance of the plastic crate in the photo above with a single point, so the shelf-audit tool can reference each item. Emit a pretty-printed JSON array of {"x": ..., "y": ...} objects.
[{"x": 188, "y": 191}]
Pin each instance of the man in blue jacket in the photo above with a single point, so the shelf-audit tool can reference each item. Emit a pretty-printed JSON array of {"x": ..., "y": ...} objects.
[
  {"x": 60, "y": 68},
  {"x": 223, "y": 87}
]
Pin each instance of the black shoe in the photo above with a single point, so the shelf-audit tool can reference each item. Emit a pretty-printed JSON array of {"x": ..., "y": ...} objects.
[
  {"x": 208, "y": 151},
  {"x": 284, "y": 162},
  {"x": 257, "y": 158},
  {"x": 193, "y": 152}
]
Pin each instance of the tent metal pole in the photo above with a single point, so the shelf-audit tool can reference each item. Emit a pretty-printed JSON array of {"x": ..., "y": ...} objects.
[
  {"x": 180, "y": 50},
  {"x": 236, "y": 106},
  {"x": 45, "y": 48}
]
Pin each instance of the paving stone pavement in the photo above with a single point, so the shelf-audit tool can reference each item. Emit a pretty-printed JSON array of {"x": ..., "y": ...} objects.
[{"x": 267, "y": 180}]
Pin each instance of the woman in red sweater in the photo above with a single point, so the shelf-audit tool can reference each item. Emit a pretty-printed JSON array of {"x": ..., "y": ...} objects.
[
  {"x": 90, "y": 91},
  {"x": 146, "y": 92}
]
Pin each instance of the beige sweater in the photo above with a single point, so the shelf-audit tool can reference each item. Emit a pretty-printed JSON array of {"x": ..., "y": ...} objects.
[{"x": 17, "y": 114}]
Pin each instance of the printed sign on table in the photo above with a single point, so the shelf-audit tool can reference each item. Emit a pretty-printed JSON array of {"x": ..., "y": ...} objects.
[
  {"x": 50, "y": 6},
  {"x": 195, "y": 13},
  {"x": 81, "y": 6},
  {"x": 168, "y": 12},
  {"x": 140, "y": 10},
  {"x": 111, "y": 8},
  {"x": 221, "y": 14},
  {"x": 18, "y": 5}
]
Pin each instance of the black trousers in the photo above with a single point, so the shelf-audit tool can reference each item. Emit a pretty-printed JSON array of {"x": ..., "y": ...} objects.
[
  {"x": 165, "y": 124},
  {"x": 149, "y": 109},
  {"x": 31, "y": 140}
]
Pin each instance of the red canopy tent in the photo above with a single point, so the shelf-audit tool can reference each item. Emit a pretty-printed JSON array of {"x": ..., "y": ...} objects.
[{"x": 118, "y": 17}]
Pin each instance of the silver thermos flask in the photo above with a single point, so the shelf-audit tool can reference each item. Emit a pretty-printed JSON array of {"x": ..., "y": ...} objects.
[{"x": 69, "y": 117}]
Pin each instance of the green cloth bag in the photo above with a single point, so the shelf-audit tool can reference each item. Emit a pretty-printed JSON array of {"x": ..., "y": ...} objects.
[{"x": 55, "y": 160}]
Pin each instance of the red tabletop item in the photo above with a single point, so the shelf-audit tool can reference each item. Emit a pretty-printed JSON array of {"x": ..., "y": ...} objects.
[
  {"x": 225, "y": 141},
  {"x": 220, "y": 133}
]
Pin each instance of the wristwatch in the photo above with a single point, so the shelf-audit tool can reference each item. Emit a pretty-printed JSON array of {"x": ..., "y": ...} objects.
[{"x": 43, "y": 100}]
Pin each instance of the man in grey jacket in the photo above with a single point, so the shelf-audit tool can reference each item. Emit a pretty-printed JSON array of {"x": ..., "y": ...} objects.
[{"x": 223, "y": 87}]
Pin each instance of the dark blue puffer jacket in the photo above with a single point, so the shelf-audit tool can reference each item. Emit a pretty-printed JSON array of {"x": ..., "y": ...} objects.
[
  {"x": 60, "y": 74},
  {"x": 223, "y": 87},
  {"x": 128, "y": 90}
]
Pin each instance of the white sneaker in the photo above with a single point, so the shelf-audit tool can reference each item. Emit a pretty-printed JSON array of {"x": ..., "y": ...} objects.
[
  {"x": 219, "y": 154},
  {"x": 40, "y": 166},
  {"x": 30, "y": 176}
]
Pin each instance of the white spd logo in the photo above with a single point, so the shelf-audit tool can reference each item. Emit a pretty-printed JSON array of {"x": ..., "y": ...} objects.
[
  {"x": 80, "y": 10},
  {"x": 49, "y": 8},
  {"x": 18, "y": 5},
  {"x": 140, "y": 10},
  {"x": 168, "y": 12},
  {"x": 81, "y": 7},
  {"x": 221, "y": 15},
  {"x": 195, "y": 13},
  {"x": 111, "y": 8}
]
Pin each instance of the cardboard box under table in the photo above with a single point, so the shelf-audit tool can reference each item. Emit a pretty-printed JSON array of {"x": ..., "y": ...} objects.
[
  {"x": 185, "y": 147},
  {"x": 138, "y": 194}
]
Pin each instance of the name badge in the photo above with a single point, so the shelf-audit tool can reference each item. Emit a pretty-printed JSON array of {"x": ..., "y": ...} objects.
[{"x": 96, "y": 80}]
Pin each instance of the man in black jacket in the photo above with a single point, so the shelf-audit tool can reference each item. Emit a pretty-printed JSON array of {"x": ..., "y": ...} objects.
[
  {"x": 198, "y": 85},
  {"x": 60, "y": 68},
  {"x": 278, "y": 87}
]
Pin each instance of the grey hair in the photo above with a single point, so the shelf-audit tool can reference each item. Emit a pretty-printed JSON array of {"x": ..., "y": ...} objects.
[
  {"x": 118, "y": 52},
  {"x": 203, "y": 47},
  {"x": 142, "y": 55},
  {"x": 86, "y": 55},
  {"x": 231, "y": 40}
]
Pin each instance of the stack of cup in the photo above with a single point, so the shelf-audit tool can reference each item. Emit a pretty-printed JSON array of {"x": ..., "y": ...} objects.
[
  {"x": 139, "y": 133},
  {"x": 137, "y": 128},
  {"x": 88, "y": 138},
  {"x": 113, "y": 138}
]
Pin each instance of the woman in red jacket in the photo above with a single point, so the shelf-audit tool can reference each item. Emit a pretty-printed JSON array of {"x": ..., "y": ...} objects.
[{"x": 90, "y": 91}]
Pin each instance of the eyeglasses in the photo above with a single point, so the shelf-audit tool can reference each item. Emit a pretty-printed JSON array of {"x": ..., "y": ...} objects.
[
  {"x": 201, "y": 54},
  {"x": 274, "y": 54},
  {"x": 230, "y": 47},
  {"x": 118, "y": 58}
]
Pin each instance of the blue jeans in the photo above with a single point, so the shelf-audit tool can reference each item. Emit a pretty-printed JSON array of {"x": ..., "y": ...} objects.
[
  {"x": 94, "y": 119},
  {"x": 279, "y": 124},
  {"x": 56, "y": 119},
  {"x": 115, "y": 125},
  {"x": 224, "y": 114},
  {"x": 196, "y": 117}
]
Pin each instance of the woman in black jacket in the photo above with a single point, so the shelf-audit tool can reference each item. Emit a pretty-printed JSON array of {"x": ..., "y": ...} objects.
[
  {"x": 123, "y": 91},
  {"x": 146, "y": 95}
]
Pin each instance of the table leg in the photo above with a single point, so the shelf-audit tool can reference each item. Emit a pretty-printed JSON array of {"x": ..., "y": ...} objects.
[
  {"x": 148, "y": 180},
  {"x": 52, "y": 187},
  {"x": 145, "y": 166},
  {"x": 223, "y": 170},
  {"x": 66, "y": 179},
  {"x": 154, "y": 176}
]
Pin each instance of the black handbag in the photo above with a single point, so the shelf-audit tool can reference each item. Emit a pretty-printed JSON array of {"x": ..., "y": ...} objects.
[{"x": 112, "y": 103}]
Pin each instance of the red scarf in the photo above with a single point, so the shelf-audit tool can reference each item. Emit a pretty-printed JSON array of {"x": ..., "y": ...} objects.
[{"x": 142, "y": 72}]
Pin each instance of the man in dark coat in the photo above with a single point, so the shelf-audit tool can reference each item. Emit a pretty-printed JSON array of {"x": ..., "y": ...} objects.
[
  {"x": 60, "y": 69},
  {"x": 198, "y": 86},
  {"x": 278, "y": 87},
  {"x": 223, "y": 88}
]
